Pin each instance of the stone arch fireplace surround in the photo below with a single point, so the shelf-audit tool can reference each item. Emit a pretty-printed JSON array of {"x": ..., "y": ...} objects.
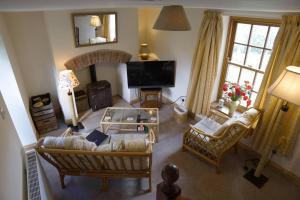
[
  {"x": 103, "y": 56},
  {"x": 90, "y": 60}
]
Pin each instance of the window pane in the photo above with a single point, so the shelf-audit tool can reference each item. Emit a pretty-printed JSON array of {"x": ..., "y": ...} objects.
[
  {"x": 258, "y": 80},
  {"x": 246, "y": 75},
  {"x": 271, "y": 37},
  {"x": 258, "y": 35},
  {"x": 238, "y": 54},
  {"x": 242, "y": 33},
  {"x": 232, "y": 73},
  {"x": 265, "y": 60},
  {"x": 253, "y": 57}
]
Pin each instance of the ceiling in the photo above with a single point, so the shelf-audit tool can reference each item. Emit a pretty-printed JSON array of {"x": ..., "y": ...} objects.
[{"x": 241, "y": 5}]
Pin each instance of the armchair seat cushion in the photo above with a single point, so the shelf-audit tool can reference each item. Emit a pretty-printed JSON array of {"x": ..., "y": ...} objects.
[{"x": 207, "y": 125}]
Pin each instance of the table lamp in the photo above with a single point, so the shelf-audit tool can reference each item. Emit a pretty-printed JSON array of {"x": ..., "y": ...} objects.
[
  {"x": 95, "y": 22},
  {"x": 67, "y": 81},
  {"x": 286, "y": 88}
]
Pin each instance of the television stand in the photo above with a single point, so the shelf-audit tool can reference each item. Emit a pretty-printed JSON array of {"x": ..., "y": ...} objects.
[{"x": 150, "y": 97}]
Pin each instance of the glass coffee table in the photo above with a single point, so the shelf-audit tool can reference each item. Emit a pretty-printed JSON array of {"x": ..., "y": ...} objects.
[{"x": 130, "y": 119}]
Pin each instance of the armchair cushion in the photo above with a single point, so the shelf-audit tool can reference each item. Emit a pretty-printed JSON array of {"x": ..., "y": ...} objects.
[
  {"x": 207, "y": 125},
  {"x": 249, "y": 116}
]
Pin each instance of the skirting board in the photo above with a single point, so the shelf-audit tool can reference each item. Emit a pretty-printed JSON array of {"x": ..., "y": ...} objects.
[{"x": 274, "y": 165}]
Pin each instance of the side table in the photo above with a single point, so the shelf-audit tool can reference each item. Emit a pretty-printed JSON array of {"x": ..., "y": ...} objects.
[{"x": 150, "y": 98}]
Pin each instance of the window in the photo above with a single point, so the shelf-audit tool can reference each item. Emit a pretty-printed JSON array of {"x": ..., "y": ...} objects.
[{"x": 249, "y": 47}]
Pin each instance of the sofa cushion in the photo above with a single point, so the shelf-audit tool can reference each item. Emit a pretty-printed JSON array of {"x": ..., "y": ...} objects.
[
  {"x": 104, "y": 148},
  {"x": 135, "y": 145},
  {"x": 69, "y": 143}
]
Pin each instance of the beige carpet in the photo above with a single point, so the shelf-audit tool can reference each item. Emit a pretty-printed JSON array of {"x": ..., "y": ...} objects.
[{"x": 198, "y": 179}]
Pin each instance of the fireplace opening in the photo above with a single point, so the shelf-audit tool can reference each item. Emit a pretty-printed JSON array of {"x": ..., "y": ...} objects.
[{"x": 99, "y": 92}]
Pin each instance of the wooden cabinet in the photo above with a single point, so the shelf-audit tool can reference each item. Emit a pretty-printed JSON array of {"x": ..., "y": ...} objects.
[{"x": 43, "y": 116}]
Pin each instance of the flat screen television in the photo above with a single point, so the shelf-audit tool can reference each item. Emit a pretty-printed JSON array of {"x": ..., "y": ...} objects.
[{"x": 151, "y": 74}]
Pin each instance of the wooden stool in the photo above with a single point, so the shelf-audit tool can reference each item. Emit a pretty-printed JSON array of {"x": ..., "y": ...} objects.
[{"x": 146, "y": 102}]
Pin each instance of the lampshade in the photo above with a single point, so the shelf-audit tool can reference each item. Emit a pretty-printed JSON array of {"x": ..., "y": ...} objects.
[
  {"x": 67, "y": 79},
  {"x": 95, "y": 21},
  {"x": 172, "y": 18},
  {"x": 287, "y": 86}
]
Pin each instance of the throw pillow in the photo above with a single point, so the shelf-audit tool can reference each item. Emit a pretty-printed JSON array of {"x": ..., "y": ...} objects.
[{"x": 97, "y": 137}]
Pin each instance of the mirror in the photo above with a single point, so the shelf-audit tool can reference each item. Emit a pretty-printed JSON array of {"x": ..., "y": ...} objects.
[{"x": 94, "y": 28}]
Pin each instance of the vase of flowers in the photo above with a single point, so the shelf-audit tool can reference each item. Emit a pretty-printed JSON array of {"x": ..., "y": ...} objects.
[{"x": 235, "y": 93}]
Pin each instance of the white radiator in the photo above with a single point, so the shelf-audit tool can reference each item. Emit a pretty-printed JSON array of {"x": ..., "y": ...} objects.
[{"x": 33, "y": 186}]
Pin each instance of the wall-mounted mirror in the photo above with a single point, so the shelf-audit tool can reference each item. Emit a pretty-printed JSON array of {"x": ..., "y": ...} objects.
[{"x": 94, "y": 28}]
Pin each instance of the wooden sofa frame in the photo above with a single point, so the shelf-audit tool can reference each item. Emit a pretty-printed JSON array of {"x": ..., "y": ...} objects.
[{"x": 74, "y": 163}]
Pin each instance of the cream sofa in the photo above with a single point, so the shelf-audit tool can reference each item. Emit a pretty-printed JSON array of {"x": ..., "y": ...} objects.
[{"x": 125, "y": 155}]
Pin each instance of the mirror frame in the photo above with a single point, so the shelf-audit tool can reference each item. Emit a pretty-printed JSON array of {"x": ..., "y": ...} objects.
[{"x": 93, "y": 13}]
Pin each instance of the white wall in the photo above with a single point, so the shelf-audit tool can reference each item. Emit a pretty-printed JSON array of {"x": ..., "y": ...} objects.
[
  {"x": 11, "y": 155},
  {"x": 172, "y": 45},
  {"x": 12, "y": 88},
  {"x": 32, "y": 49},
  {"x": 59, "y": 25},
  {"x": 123, "y": 90},
  {"x": 86, "y": 31}
]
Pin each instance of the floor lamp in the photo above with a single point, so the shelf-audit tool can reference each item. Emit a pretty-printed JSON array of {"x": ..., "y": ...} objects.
[
  {"x": 68, "y": 81},
  {"x": 286, "y": 88}
]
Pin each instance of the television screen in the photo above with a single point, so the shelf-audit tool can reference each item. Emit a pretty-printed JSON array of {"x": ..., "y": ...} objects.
[{"x": 151, "y": 74}]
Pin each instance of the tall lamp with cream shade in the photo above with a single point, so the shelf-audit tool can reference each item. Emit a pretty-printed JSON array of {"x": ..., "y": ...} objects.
[
  {"x": 67, "y": 81},
  {"x": 286, "y": 88},
  {"x": 95, "y": 22}
]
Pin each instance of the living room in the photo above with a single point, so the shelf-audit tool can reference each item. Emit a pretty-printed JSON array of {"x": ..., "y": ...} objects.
[{"x": 37, "y": 40}]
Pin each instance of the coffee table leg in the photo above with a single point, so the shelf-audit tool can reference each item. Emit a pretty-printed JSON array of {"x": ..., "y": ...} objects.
[{"x": 155, "y": 130}]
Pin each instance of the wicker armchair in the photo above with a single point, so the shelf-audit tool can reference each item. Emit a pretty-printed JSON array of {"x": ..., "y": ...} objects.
[{"x": 211, "y": 146}]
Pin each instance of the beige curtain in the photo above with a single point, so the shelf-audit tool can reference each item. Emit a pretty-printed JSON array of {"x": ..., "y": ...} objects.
[
  {"x": 278, "y": 132},
  {"x": 205, "y": 63},
  {"x": 105, "y": 27}
]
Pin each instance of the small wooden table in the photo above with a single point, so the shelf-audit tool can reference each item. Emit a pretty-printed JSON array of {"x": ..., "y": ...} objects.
[{"x": 146, "y": 102}]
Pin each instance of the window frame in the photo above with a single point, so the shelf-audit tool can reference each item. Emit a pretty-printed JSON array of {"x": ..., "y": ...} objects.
[{"x": 232, "y": 26}]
